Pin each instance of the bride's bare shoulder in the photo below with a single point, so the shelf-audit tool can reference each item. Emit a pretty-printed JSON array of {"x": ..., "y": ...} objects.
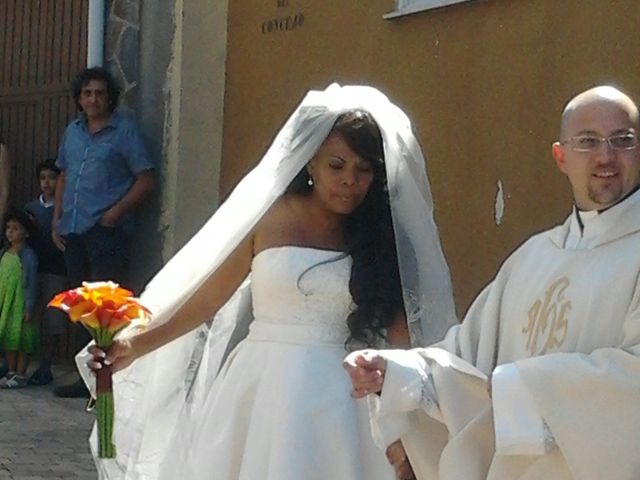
[
  {"x": 279, "y": 221},
  {"x": 286, "y": 209}
]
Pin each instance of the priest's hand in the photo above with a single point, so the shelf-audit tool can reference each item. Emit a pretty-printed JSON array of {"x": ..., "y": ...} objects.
[
  {"x": 366, "y": 370},
  {"x": 399, "y": 461}
]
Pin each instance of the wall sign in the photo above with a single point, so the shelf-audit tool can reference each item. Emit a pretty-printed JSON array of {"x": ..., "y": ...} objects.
[{"x": 282, "y": 21}]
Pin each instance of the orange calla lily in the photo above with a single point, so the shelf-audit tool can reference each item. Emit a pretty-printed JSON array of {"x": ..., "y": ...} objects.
[
  {"x": 118, "y": 322},
  {"x": 105, "y": 315},
  {"x": 66, "y": 299}
]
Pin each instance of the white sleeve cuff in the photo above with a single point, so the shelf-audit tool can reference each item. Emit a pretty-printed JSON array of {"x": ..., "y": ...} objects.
[
  {"x": 404, "y": 380},
  {"x": 403, "y": 391},
  {"x": 519, "y": 428},
  {"x": 386, "y": 429}
]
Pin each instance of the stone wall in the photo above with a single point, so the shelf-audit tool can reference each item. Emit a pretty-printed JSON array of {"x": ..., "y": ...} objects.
[
  {"x": 123, "y": 57},
  {"x": 122, "y": 47}
]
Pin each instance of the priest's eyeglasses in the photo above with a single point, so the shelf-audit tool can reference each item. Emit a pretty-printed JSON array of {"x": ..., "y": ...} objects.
[{"x": 592, "y": 143}]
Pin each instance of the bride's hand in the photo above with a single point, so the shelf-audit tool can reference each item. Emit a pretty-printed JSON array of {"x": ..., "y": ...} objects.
[
  {"x": 120, "y": 355},
  {"x": 398, "y": 459},
  {"x": 366, "y": 370}
]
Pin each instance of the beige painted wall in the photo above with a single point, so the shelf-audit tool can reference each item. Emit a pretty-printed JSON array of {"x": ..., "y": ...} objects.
[
  {"x": 193, "y": 120},
  {"x": 483, "y": 81}
]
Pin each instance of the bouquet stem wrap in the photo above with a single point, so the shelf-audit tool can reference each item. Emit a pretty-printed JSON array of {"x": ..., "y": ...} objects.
[{"x": 105, "y": 410}]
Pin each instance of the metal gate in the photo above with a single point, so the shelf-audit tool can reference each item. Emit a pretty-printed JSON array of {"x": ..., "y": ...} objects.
[{"x": 43, "y": 44}]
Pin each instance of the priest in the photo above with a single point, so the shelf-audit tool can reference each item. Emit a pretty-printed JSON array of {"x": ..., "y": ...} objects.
[{"x": 542, "y": 379}]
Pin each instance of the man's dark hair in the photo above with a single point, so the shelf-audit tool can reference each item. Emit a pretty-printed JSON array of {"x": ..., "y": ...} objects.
[
  {"x": 48, "y": 164},
  {"x": 96, "y": 73}
]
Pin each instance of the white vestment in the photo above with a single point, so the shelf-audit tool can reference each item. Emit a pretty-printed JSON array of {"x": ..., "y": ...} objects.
[{"x": 559, "y": 330}]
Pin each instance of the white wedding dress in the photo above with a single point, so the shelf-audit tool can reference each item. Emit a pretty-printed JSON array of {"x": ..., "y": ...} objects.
[{"x": 281, "y": 409}]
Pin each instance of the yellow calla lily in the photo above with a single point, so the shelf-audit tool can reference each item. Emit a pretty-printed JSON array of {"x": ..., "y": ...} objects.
[
  {"x": 81, "y": 309},
  {"x": 90, "y": 320}
]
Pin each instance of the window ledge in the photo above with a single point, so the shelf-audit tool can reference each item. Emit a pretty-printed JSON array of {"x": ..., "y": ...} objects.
[{"x": 420, "y": 6}]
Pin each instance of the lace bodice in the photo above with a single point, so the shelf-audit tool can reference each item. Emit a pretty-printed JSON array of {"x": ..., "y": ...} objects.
[{"x": 286, "y": 291}]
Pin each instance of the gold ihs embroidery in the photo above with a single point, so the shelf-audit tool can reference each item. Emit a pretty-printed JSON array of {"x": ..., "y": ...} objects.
[{"x": 548, "y": 319}]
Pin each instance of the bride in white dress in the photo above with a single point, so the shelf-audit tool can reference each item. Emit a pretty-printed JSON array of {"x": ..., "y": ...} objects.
[{"x": 322, "y": 268}]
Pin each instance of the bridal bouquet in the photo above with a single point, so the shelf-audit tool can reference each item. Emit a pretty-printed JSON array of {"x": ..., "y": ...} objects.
[{"x": 104, "y": 309}]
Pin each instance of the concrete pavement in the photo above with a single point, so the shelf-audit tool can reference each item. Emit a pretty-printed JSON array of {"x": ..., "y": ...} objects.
[{"x": 42, "y": 436}]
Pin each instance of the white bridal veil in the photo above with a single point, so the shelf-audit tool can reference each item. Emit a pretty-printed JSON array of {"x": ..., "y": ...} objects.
[{"x": 159, "y": 394}]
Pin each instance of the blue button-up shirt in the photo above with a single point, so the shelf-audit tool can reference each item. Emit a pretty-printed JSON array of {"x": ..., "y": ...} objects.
[{"x": 99, "y": 169}]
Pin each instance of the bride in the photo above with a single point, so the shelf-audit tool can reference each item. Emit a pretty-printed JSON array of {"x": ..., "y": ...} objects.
[{"x": 329, "y": 244}]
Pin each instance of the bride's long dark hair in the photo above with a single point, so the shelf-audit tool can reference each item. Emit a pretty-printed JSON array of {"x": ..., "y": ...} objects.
[{"x": 375, "y": 278}]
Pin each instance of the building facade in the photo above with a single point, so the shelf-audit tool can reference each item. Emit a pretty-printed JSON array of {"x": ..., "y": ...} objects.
[{"x": 484, "y": 82}]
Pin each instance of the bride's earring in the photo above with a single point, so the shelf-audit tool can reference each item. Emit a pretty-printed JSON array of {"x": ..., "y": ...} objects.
[{"x": 310, "y": 181}]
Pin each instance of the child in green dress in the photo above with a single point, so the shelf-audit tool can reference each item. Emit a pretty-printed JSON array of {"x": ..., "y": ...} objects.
[{"x": 18, "y": 292}]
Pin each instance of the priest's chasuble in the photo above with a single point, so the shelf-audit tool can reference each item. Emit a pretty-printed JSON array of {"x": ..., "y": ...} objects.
[{"x": 558, "y": 330}]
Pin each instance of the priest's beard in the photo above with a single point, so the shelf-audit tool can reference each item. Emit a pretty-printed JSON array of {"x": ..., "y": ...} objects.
[
  {"x": 609, "y": 196},
  {"x": 606, "y": 195}
]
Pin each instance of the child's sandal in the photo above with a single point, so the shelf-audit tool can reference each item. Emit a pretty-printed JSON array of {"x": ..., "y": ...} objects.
[
  {"x": 17, "y": 381},
  {"x": 6, "y": 378}
]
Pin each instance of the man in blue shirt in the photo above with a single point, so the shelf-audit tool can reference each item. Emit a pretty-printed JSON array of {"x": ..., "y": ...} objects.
[{"x": 105, "y": 174}]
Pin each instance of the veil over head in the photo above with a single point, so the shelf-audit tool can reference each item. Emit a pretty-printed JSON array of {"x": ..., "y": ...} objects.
[{"x": 157, "y": 397}]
